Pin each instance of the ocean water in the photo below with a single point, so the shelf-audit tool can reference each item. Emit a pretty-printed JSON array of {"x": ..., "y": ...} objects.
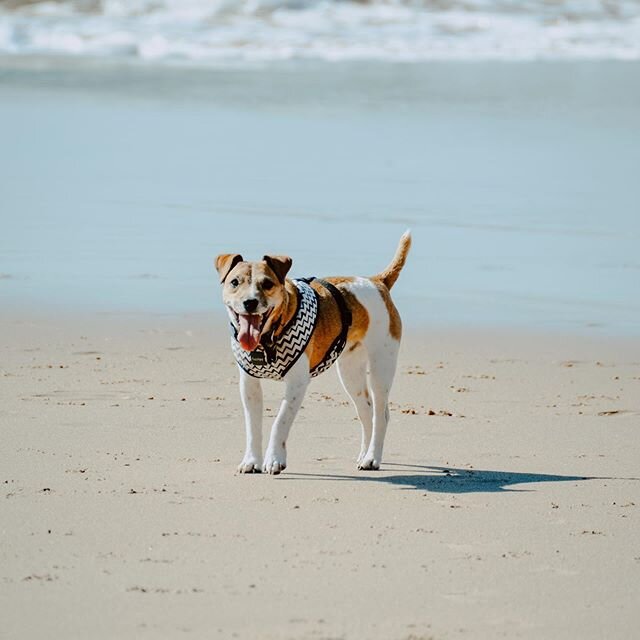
[
  {"x": 223, "y": 32},
  {"x": 520, "y": 182}
]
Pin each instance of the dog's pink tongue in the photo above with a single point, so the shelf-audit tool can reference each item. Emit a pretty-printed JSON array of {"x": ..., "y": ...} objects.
[{"x": 249, "y": 333}]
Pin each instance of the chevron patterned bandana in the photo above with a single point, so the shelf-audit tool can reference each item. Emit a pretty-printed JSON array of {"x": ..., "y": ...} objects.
[{"x": 290, "y": 345}]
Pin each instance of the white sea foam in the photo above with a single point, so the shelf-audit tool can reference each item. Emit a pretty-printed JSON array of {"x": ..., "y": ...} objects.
[{"x": 252, "y": 30}]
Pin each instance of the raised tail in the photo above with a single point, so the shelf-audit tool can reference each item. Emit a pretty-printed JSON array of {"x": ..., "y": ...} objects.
[{"x": 391, "y": 273}]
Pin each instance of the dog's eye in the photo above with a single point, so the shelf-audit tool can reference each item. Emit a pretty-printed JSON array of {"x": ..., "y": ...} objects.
[
  {"x": 234, "y": 283},
  {"x": 267, "y": 284}
]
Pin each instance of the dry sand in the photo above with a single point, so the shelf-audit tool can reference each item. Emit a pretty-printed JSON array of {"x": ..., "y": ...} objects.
[{"x": 512, "y": 512}]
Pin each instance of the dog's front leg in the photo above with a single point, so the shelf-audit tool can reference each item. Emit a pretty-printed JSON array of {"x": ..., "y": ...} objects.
[
  {"x": 296, "y": 381},
  {"x": 251, "y": 394}
]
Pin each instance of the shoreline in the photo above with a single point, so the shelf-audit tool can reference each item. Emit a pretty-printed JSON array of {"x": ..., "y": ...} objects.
[
  {"x": 195, "y": 81},
  {"x": 214, "y": 321}
]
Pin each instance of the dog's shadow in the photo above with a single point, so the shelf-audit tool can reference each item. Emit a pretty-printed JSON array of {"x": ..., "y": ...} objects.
[{"x": 446, "y": 479}]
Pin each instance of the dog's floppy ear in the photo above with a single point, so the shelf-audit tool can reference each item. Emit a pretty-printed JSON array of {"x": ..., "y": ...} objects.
[
  {"x": 280, "y": 265},
  {"x": 225, "y": 262}
]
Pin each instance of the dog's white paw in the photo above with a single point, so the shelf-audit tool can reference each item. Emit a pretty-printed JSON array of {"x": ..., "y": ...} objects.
[
  {"x": 275, "y": 462},
  {"x": 368, "y": 463},
  {"x": 250, "y": 464}
]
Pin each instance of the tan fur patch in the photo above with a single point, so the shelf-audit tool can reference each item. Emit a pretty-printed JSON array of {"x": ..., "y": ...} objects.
[
  {"x": 395, "y": 323},
  {"x": 225, "y": 262},
  {"x": 330, "y": 323},
  {"x": 327, "y": 327},
  {"x": 285, "y": 312},
  {"x": 337, "y": 280},
  {"x": 359, "y": 317}
]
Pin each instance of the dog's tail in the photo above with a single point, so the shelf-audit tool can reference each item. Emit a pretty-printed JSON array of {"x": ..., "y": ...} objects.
[{"x": 389, "y": 276}]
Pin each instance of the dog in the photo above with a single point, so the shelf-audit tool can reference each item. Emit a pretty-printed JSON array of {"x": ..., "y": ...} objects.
[{"x": 292, "y": 330}]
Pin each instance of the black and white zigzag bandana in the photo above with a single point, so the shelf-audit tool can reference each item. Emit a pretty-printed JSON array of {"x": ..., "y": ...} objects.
[
  {"x": 274, "y": 363},
  {"x": 290, "y": 344}
]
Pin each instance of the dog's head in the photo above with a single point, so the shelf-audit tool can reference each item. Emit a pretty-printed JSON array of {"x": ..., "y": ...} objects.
[{"x": 254, "y": 293}]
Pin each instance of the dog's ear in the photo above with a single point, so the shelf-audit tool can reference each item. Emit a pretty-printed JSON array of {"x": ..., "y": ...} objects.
[
  {"x": 280, "y": 265},
  {"x": 225, "y": 262}
]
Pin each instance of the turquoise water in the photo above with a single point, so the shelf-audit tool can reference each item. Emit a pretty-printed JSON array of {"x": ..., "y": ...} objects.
[{"x": 520, "y": 182}]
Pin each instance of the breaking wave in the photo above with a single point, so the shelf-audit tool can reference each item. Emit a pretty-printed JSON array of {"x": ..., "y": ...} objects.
[{"x": 219, "y": 31}]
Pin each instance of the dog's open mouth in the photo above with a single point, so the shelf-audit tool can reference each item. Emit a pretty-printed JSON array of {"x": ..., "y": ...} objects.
[{"x": 250, "y": 326}]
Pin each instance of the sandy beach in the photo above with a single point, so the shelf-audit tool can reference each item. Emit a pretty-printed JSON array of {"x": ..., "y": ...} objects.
[
  {"x": 138, "y": 140},
  {"x": 507, "y": 505}
]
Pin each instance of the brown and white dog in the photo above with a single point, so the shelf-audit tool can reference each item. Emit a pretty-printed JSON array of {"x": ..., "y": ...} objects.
[{"x": 261, "y": 300}]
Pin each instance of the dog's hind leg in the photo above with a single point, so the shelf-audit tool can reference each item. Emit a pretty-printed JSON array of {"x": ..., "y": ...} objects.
[
  {"x": 382, "y": 367},
  {"x": 352, "y": 369}
]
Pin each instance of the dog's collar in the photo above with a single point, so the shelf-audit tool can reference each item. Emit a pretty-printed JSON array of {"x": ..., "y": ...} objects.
[{"x": 275, "y": 355}]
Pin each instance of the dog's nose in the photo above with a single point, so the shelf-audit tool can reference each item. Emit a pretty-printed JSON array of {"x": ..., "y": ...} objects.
[{"x": 250, "y": 305}]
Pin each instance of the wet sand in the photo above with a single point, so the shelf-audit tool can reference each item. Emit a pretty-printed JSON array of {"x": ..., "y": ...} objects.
[{"x": 508, "y": 504}]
